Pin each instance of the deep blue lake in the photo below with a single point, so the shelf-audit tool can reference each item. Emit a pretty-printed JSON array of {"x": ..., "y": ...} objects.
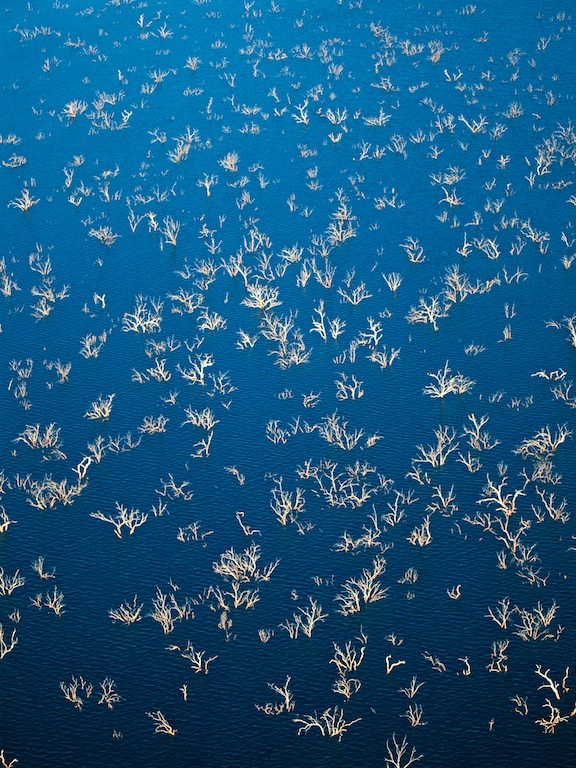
[{"x": 288, "y": 384}]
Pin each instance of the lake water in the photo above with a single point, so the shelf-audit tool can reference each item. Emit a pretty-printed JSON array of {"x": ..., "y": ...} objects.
[{"x": 260, "y": 233}]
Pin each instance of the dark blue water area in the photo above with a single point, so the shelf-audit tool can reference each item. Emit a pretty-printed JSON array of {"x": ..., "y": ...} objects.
[{"x": 297, "y": 91}]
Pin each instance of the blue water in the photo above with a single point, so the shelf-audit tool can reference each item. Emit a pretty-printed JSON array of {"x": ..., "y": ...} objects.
[{"x": 257, "y": 63}]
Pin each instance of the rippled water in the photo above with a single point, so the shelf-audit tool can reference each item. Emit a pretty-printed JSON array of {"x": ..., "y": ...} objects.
[{"x": 342, "y": 63}]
